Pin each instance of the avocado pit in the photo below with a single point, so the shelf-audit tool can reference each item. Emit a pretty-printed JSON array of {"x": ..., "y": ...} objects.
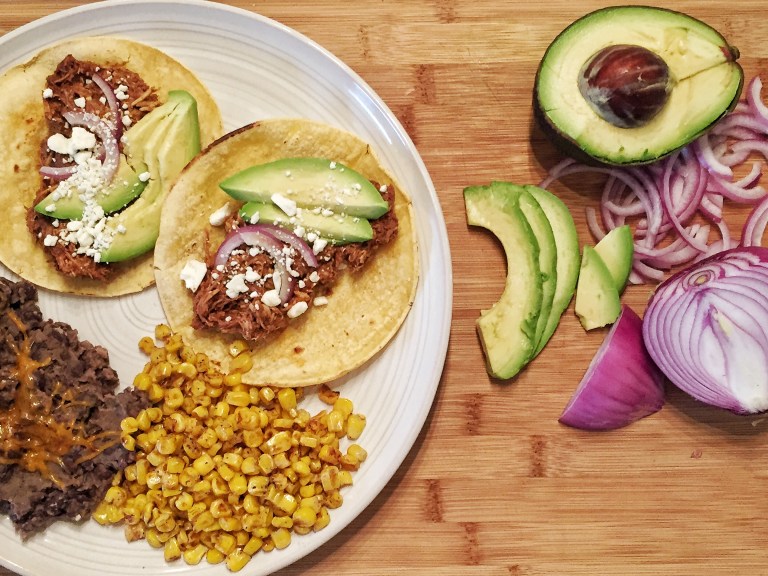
[{"x": 625, "y": 85}]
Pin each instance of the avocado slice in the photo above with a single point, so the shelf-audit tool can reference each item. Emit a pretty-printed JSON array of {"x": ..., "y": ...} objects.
[
  {"x": 617, "y": 249},
  {"x": 597, "y": 300},
  {"x": 125, "y": 186},
  {"x": 167, "y": 146},
  {"x": 336, "y": 228},
  {"x": 545, "y": 239},
  {"x": 568, "y": 256},
  {"x": 309, "y": 182},
  {"x": 705, "y": 84},
  {"x": 508, "y": 329}
]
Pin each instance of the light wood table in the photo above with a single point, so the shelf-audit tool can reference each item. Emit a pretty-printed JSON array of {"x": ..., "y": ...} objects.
[{"x": 494, "y": 485}]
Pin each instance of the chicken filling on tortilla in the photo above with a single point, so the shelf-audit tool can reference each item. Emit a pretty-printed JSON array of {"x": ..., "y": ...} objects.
[{"x": 71, "y": 88}]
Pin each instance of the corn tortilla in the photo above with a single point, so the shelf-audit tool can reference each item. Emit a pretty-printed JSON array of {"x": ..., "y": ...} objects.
[
  {"x": 23, "y": 127},
  {"x": 364, "y": 310}
]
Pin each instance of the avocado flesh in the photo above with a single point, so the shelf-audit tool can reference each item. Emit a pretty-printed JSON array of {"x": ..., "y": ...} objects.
[
  {"x": 617, "y": 248},
  {"x": 125, "y": 186},
  {"x": 168, "y": 147},
  {"x": 508, "y": 329},
  {"x": 597, "y": 300},
  {"x": 568, "y": 257},
  {"x": 706, "y": 80},
  {"x": 336, "y": 228},
  {"x": 545, "y": 239},
  {"x": 309, "y": 182}
]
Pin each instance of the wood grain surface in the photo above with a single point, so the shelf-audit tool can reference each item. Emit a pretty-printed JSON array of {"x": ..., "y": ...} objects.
[{"x": 494, "y": 485}]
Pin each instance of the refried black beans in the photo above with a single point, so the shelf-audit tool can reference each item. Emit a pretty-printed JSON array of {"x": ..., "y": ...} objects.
[{"x": 60, "y": 416}]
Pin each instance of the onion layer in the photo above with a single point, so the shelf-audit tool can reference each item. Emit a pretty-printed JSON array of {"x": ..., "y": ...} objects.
[
  {"x": 621, "y": 384},
  {"x": 706, "y": 328}
]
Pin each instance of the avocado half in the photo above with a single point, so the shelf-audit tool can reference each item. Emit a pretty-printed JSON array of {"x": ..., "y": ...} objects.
[{"x": 705, "y": 84}]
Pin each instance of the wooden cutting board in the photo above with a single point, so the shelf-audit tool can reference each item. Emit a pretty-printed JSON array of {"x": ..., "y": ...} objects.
[{"x": 494, "y": 485}]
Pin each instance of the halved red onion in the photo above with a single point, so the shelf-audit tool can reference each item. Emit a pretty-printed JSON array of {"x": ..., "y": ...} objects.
[
  {"x": 104, "y": 132},
  {"x": 621, "y": 384},
  {"x": 256, "y": 237},
  {"x": 113, "y": 103},
  {"x": 288, "y": 237},
  {"x": 706, "y": 328}
]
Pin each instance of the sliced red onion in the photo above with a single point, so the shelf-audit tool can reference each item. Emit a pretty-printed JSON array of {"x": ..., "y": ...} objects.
[
  {"x": 58, "y": 172},
  {"x": 706, "y": 328},
  {"x": 255, "y": 237},
  {"x": 662, "y": 199},
  {"x": 104, "y": 132},
  {"x": 113, "y": 103},
  {"x": 621, "y": 384},
  {"x": 288, "y": 237}
]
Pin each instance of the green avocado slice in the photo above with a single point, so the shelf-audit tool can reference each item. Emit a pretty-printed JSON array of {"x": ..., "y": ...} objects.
[
  {"x": 568, "y": 257},
  {"x": 309, "y": 182},
  {"x": 167, "y": 146},
  {"x": 507, "y": 330},
  {"x": 336, "y": 228}
]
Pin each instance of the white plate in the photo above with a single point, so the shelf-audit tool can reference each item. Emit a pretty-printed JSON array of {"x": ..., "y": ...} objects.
[{"x": 255, "y": 68}]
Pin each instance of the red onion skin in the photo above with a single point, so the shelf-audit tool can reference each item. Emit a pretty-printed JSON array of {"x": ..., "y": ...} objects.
[
  {"x": 692, "y": 302},
  {"x": 621, "y": 384}
]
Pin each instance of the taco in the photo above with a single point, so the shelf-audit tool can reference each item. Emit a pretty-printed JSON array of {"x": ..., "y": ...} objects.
[
  {"x": 80, "y": 128},
  {"x": 331, "y": 316}
]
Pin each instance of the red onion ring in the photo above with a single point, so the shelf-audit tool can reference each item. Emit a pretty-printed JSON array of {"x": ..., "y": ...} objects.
[
  {"x": 288, "y": 237},
  {"x": 113, "y": 103},
  {"x": 257, "y": 238},
  {"x": 104, "y": 132}
]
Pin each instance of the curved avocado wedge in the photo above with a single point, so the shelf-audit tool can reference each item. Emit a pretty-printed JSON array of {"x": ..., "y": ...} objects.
[
  {"x": 705, "y": 84},
  {"x": 568, "y": 256},
  {"x": 336, "y": 228},
  {"x": 598, "y": 302},
  {"x": 507, "y": 330},
  {"x": 309, "y": 182},
  {"x": 125, "y": 186},
  {"x": 545, "y": 239},
  {"x": 617, "y": 248},
  {"x": 168, "y": 147}
]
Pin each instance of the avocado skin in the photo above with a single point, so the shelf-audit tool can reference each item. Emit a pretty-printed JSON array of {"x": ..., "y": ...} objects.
[{"x": 575, "y": 149}]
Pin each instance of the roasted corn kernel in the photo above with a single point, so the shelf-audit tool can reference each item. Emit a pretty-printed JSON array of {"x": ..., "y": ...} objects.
[{"x": 224, "y": 470}]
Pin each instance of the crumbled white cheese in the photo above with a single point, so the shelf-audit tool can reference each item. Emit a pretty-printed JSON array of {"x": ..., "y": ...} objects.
[
  {"x": 297, "y": 310},
  {"x": 50, "y": 240},
  {"x": 121, "y": 92},
  {"x": 236, "y": 286},
  {"x": 80, "y": 102},
  {"x": 318, "y": 245},
  {"x": 383, "y": 188},
  {"x": 50, "y": 208},
  {"x": 285, "y": 204},
  {"x": 254, "y": 217},
  {"x": 271, "y": 298},
  {"x": 81, "y": 139},
  {"x": 314, "y": 276},
  {"x": 193, "y": 273},
  {"x": 220, "y": 216},
  {"x": 251, "y": 275},
  {"x": 47, "y": 93},
  {"x": 320, "y": 301}
]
